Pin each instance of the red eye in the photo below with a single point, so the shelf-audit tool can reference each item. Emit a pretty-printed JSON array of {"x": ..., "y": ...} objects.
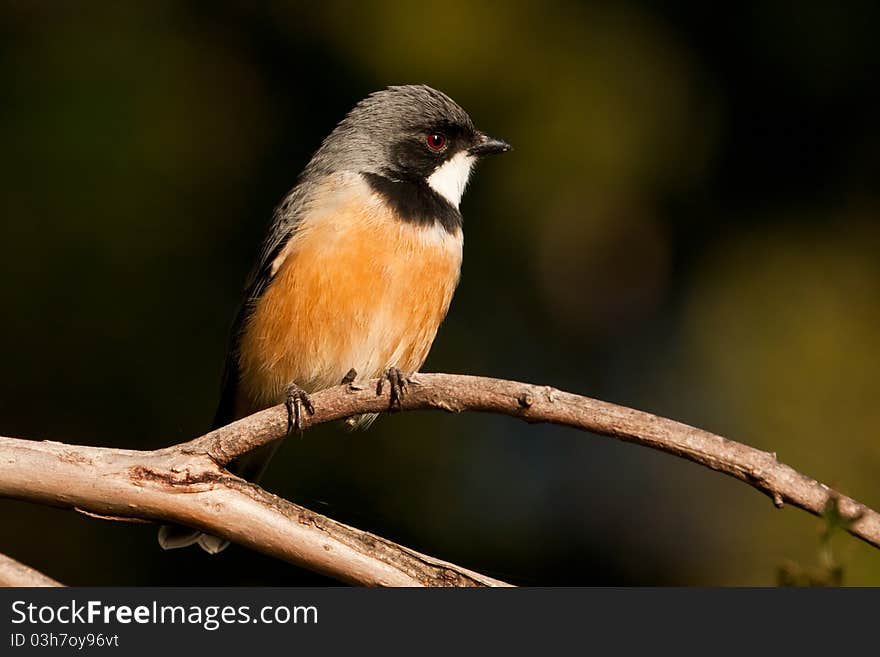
[{"x": 436, "y": 141}]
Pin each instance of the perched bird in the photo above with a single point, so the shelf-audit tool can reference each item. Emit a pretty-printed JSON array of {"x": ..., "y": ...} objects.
[{"x": 358, "y": 268}]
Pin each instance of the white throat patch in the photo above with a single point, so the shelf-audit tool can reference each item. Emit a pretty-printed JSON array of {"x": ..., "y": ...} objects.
[{"x": 451, "y": 177}]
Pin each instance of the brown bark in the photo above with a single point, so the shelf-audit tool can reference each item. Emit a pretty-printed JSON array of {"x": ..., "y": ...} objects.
[
  {"x": 187, "y": 484},
  {"x": 15, "y": 573}
]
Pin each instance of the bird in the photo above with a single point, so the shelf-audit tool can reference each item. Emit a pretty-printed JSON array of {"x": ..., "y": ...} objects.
[{"x": 358, "y": 267}]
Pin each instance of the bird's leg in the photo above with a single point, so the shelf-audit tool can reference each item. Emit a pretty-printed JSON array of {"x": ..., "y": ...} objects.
[
  {"x": 296, "y": 400},
  {"x": 397, "y": 382}
]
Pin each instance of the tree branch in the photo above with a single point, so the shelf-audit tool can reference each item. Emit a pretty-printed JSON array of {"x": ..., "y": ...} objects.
[
  {"x": 15, "y": 573},
  {"x": 181, "y": 486},
  {"x": 186, "y": 483},
  {"x": 533, "y": 403}
]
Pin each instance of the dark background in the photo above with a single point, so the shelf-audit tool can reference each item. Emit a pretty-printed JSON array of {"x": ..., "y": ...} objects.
[{"x": 688, "y": 225}]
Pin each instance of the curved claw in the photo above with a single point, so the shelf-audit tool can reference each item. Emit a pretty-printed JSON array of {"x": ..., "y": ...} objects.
[
  {"x": 296, "y": 400},
  {"x": 398, "y": 384}
]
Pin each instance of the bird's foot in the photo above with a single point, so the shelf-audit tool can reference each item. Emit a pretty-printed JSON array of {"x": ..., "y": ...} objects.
[
  {"x": 397, "y": 382},
  {"x": 296, "y": 401},
  {"x": 349, "y": 377}
]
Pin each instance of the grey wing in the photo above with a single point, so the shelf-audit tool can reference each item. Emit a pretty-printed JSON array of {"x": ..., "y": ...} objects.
[
  {"x": 285, "y": 220},
  {"x": 252, "y": 465}
]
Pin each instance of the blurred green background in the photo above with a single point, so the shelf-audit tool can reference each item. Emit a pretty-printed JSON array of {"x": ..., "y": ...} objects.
[{"x": 688, "y": 225}]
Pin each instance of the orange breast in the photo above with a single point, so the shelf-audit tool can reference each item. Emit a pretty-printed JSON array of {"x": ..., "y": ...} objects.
[{"x": 354, "y": 288}]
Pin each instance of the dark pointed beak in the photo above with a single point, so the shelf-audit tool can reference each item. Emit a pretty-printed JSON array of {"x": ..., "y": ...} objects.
[{"x": 487, "y": 145}]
